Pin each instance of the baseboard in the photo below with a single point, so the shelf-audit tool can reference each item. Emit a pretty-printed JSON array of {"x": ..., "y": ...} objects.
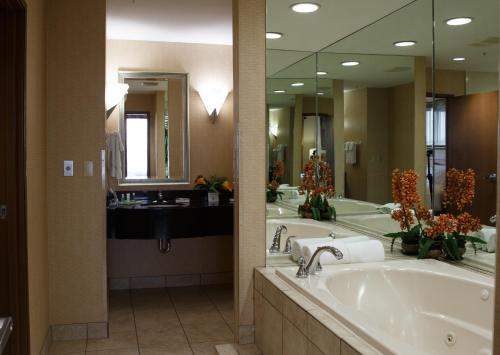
[
  {"x": 159, "y": 281},
  {"x": 80, "y": 331}
]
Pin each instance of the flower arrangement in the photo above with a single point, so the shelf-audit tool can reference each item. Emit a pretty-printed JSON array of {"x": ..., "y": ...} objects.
[
  {"x": 277, "y": 173},
  {"x": 451, "y": 229},
  {"x": 412, "y": 214},
  {"x": 317, "y": 185},
  {"x": 213, "y": 184},
  {"x": 445, "y": 234}
]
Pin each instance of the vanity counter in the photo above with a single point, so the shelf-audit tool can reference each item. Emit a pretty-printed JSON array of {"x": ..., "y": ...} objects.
[{"x": 169, "y": 220}]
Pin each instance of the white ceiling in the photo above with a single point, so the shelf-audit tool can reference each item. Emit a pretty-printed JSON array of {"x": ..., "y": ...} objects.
[{"x": 185, "y": 21}]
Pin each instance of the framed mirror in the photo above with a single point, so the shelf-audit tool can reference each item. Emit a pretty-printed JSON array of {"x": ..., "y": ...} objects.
[{"x": 154, "y": 128}]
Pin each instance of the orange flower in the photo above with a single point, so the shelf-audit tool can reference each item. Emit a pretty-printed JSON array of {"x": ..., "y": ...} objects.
[
  {"x": 227, "y": 186},
  {"x": 317, "y": 178},
  {"x": 200, "y": 180},
  {"x": 404, "y": 188},
  {"x": 422, "y": 213},
  {"x": 467, "y": 223},
  {"x": 444, "y": 223},
  {"x": 460, "y": 188}
]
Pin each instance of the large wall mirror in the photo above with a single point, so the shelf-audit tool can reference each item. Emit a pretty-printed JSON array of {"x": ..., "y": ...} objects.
[
  {"x": 407, "y": 90},
  {"x": 154, "y": 128}
]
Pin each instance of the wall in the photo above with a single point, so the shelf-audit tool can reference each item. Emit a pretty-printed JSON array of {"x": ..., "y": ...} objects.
[
  {"x": 206, "y": 65},
  {"x": 249, "y": 27},
  {"x": 38, "y": 279},
  {"x": 75, "y": 130},
  {"x": 447, "y": 82},
  {"x": 283, "y": 119}
]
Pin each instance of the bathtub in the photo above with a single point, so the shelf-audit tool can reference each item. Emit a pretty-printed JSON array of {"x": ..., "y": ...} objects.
[{"x": 406, "y": 307}]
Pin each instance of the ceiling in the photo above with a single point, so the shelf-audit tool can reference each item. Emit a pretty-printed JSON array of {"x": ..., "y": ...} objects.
[
  {"x": 186, "y": 21},
  {"x": 381, "y": 63}
]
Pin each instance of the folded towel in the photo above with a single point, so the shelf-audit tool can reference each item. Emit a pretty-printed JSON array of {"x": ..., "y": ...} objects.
[
  {"x": 360, "y": 252},
  {"x": 298, "y": 244},
  {"x": 350, "y": 152},
  {"x": 388, "y": 207},
  {"x": 489, "y": 235}
]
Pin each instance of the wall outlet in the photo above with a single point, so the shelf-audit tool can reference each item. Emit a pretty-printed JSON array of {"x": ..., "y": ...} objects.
[{"x": 68, "y": 168}]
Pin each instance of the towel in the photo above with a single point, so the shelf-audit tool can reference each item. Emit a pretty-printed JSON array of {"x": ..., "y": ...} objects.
[
  {"x": 350, "y": 152},
  {"x": 388, "y": 207},
  {"x": 489, "y": 235},
  {"x": 298, "y": 244},
  {"x": 358, "y": 252},
  {"x": 115, "y": 150}
]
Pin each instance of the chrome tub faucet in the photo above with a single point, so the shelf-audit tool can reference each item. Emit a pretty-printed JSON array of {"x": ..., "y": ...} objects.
[
  {"x": 313, "y": 266},
  {"x": 275, "y": 246}
]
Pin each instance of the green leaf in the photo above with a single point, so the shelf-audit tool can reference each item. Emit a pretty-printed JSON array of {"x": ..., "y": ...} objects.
[
  {"x": 316, "y": 213},
  {"x": 424, "y": 245},
  {"x": 475, "y": 240},
  {"x": 334, "y": 213},
  {"x": 451, "y": 248}
]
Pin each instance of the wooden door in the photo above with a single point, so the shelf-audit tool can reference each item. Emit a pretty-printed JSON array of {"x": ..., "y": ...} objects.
[
  {"x": 472, "y": 143},
  {"x": 13, "y": 249}
]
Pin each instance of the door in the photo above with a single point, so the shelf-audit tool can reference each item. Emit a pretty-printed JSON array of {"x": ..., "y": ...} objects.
[
  {"x": 472, "y": 143},
  {"x": 13, "y": 273}
]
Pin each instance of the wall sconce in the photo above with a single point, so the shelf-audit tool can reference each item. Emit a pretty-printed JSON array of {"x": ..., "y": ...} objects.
[
  {"x": 274, "y": 130},
  {"x": 213, "y": 99},
  {"x": 114, "y": 94}
]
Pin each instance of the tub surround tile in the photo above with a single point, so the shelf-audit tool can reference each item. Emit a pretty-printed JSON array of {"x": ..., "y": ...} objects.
[
  {"x": 295, "y": 314},
  {"x": 294, "y": 342},
  {"x": 321, "y": 336},
  {"x": 258, "y": 280},
  {"x": 273, "y": 294},
  {"x": 313, "y": 349},
  {"x": 346, "y": 349},
  {"x": 272, "y": 329}
]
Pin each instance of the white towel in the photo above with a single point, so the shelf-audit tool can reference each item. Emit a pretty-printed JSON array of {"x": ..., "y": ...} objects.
[
  {"x": 298, "y": 244},
  {"x": 115, "y": 151},
  {"x": 388, "y": 207},
  {"x": 489, "y": 235},
  {"x": 360, "y": 252},
  {"x": 350, "y": 153}
]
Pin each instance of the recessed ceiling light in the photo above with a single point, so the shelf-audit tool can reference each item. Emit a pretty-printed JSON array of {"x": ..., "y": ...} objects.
[
  {"x": 349, "y": 63},
  {"x": 279, "y": 91},
  {"x": 458, "y": 21},
  {"x": 274, "y": 35},
  {"x": 405, "y": 43},
  {"x": 320, "y": 93},
  {"x": 305, "y": 7},
  {"x": 458, "y": 59},
  {"x": 298, "y": 84},
  {"x": 321, "y": 73}
]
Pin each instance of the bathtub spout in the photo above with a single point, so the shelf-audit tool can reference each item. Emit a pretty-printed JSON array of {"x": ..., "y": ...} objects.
[{"x": 312, "y": 266}]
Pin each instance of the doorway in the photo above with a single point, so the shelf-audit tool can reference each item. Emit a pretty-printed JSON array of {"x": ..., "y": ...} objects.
[{"x": 13, "y": 243}]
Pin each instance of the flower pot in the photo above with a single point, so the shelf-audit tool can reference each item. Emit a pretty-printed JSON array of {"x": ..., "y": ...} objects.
[
  {"x": 306, "y": 214},
  {"x": 325, "y": 216},
  {"x": 271, "y": 196},
  {"x": 409, "y": 247},
  {"x": 435, "y": 251},
  {"x": 461, "y": 247},
  {"x": 213, "y": 198}
]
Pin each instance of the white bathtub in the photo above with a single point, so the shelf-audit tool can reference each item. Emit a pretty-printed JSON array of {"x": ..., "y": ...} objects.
[
  {"x": 300, "y": 228},
  {"x": 407, "y": 307}
]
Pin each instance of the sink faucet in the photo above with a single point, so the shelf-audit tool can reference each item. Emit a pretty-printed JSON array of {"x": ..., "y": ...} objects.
[
  {"x": 312, "y": 266},
  {"x": 115, "y": 200},
  {"x": 275, "y": 246}
]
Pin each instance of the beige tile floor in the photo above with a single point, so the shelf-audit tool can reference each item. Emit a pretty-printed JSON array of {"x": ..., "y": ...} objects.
[{"x": 183, "y": 320}]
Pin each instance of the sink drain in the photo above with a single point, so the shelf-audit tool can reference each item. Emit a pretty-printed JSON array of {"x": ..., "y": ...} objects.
[{"x": 450, "y": 339}]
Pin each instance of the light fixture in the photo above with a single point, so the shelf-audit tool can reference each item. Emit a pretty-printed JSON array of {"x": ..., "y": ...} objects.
[
  {"x": 458, "y": 59},
  {"x": 305, "y": 7},
  {"x": 349, "y": 63},
  {"x": 320, "y": 93},
  {"x": 321, "y": 72},
  {"x": 297, "y": 84},
  {"x": 273, "y": 129},
  {"x": 405, "y": 43},
  {"x": 213, "y": 98},
  {"x": 114, "y": 94},
  {"x": 458, "y": 21},
  {"x": 279, "y": 91},
  {"x": 274, "y": 35}
]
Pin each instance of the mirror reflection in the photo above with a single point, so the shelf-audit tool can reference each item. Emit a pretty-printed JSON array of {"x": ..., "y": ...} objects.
[
  {"x": 153, "y": 122},
  {"x": 381, "y": 99}
]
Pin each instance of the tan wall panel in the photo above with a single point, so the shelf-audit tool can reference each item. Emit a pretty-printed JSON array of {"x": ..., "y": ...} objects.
[
  {"x": 75, "y": 131},
  {"x": 447, "y": 82},
  {"x": 249, "y": 18},
  {"x": 38, "y": 278}
]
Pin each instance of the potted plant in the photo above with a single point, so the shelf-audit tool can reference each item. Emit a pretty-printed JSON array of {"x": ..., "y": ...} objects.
[
  {"x": 411, "y": 214},
  {"x": 214, "y": 186},
  {"x": 277, "y": 173},
  {"x": 317, "y": 185},
  {"x": 452, "y": 228}
]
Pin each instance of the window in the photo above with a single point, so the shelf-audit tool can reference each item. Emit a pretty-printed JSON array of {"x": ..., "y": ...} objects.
[
  {"x": 436, "y": 126},
  {"x": 137, "y": 144}
]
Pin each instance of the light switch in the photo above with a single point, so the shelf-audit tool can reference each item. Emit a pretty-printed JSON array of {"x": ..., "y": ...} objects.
[
  {"x": 68, "y": 168},
  {"x": 88, "y": 168}
]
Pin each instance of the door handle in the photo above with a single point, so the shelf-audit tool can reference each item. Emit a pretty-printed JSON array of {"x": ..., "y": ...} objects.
[{"x": 3, "y": 212}]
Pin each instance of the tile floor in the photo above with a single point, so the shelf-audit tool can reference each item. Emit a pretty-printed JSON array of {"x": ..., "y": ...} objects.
[{"x": 182, "y": 320}]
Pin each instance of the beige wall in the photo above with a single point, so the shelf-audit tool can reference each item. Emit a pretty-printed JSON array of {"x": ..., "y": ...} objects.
[
  {"x": 249, "y": 19},
  {"x": 206, "y": 65},
  {"x": 283, "y": 119},
  {"x": 447, "y": 82},
  {"x": 38, "y": 279},
  {"x": 75, "y": 131}
]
